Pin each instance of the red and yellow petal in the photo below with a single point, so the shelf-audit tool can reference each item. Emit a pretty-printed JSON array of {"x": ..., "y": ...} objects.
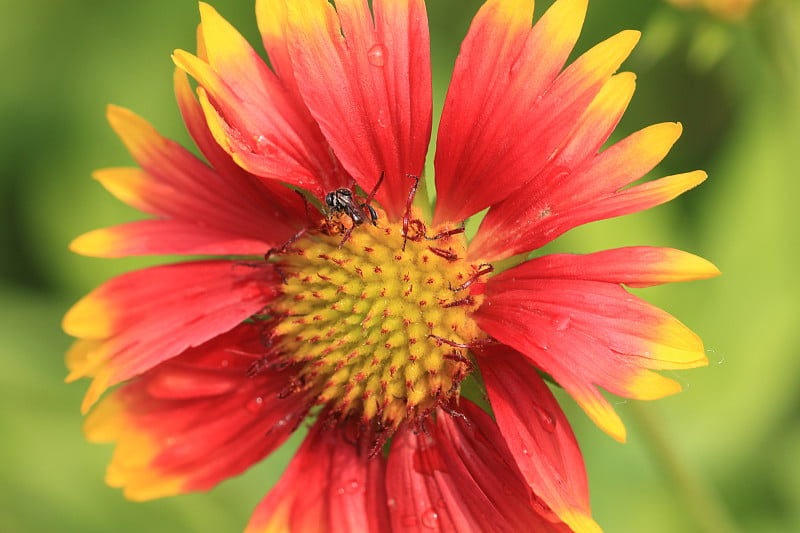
[
  {"x": 162, "y": 237},
  {"x": 174, "y": 184},
  {"x": 519, "y": 137},
  {"x": 629, "y": 159},
  {"x": 273, "y": 23},
  {"x": 269, "y": 207},
  {"x": 196, "y": 420},
  {"x": 504, "y": 231},
  {"x": 253, "y": 115},
  {"x": 567, "y": 100},
  {"x": 641, "y": 197},
  {"x": 235, "y": 178},
  {"x": 634, "y": 266},
  {"x": 367, "y": 82},
  {"x": 731, "y": 10},
  {"x": 165, "y": 160},
  {"x": 140, "y": 319},
  {"x": 590, "y": 333},
  {"x": 538, "y": 435},
  {"x": 333, "y": 483},
  {"x": 232, "y": 58},
  {"x": 131, "y": 186},
  {"x": 485, "y": 98},
  {"x": 551, "y": 222},
  {"x": 458, "y": 475},
  {"x": 593, "y": 190}
]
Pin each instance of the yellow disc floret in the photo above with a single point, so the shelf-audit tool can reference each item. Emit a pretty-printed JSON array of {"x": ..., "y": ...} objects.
[{"x": 379, "y": 323}]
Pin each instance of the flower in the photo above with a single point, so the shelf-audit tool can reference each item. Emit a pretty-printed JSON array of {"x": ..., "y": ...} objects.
[
  {"x": 333, "y": 296},
  {"x": 725, "y": 9}
]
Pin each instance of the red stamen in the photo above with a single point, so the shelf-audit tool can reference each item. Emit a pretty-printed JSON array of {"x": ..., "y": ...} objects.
[
  {"x": 457, "y": 357},
  {"x": 284, "y": 248},
  {"x": 447, "y": 233},
  {"x": 444, "y": 254},
  {"x": 462, "y": 345},
  {"x": 407, "y": 216},
  {"x": 484, "y": 268},
  {"x": 469, "y": 300}
]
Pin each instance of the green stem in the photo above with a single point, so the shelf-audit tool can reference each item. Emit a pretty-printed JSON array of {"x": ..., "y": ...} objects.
[{"x": 703, "y": 504}]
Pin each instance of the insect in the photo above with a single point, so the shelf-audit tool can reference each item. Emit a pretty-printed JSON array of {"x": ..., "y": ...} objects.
[{"x": 342, "y": 200}]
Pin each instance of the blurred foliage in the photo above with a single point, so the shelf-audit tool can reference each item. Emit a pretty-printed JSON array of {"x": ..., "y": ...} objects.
[{"x": 735, "y": 430}]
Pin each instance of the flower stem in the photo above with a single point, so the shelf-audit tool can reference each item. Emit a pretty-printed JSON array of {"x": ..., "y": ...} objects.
[{"x": 704, "y": 505}]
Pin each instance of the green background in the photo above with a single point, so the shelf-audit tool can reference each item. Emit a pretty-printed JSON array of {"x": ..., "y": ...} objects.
[{"x": 732, "y": 437}]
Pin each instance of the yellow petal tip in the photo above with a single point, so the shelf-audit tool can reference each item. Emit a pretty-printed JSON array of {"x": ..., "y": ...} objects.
[
  {"x": 578, "y": 521},
  {"x": 89, "y": 318},
  {"x": 97, "y": 243}
]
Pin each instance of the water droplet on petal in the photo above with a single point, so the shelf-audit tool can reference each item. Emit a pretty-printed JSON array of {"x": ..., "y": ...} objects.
[
  {"x": 543, "y": 509},
  {"x": 546, "y": 419},
  {"x": 264, "y": 145},
  {"x": 561, "y": 322},
  {"x": 430, "y": 519},
  {"x": 256, "y": 404},
  {"x": 377, "y": 55},
  {"x": 350, "y": 487}
]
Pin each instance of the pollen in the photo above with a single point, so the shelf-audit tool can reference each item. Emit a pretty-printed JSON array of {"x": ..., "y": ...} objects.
[{"x": 380, "y": 325}]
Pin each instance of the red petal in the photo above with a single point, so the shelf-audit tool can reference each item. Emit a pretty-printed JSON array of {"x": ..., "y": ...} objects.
[
  {"x": 367, "y": 83},
  {"x": 587, "y": 333},
  {"x": 458, "y": 475},
  {"x": 538, "y": 435},
  {"x": 331, "y": 484},
  {"x": 196, "y": 420},
  {"x": 139, "y": 319}
]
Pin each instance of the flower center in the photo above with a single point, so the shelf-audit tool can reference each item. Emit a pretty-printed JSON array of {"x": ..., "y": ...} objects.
[{"x": 379, "y": 325}]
